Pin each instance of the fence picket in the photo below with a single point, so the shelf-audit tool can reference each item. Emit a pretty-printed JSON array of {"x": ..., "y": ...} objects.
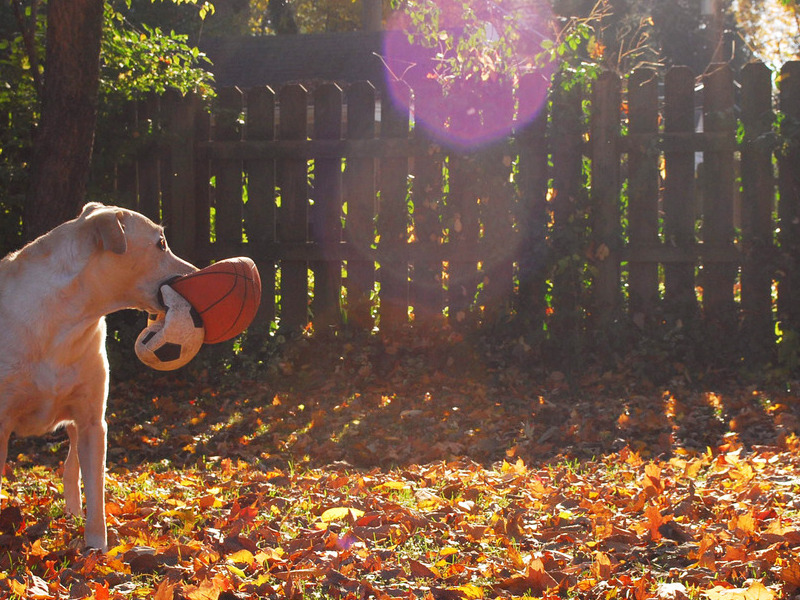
[
  {"x": 149, "y": 162},
  {"x": 427, "y": 170},
  {"x": 758, "y": 200},
  {"x": 126, "y": 184},
  {"x": 789, "y": 206},
  {"x": 543, "y": 206},
  {"x": 259, "y": 211},
  {"x": 293, "y": 213},
  {"x": 532, "y": 212},
  {"x": 605, "y": 195},
  {"x": 359, "y": 193},
  {"x": 228, "y": 171},
  {"x": 496, "y": 213},
  {"x": 326, "y": 213},
  {"x": 202, "y": 252},
  {"x": 393, "y": 219},
  {"x": 643, "y": 201},
  {"x": 568, "y": 208},
  {"x": 462, "y": 221},
  {"x": 178, "y": 170},
  {"x": 717, "y": 187},
  {"x": 679, "y": 195}
]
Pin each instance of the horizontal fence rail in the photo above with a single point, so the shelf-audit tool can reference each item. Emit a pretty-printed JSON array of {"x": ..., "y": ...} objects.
[{"x": 645, "y": 198}]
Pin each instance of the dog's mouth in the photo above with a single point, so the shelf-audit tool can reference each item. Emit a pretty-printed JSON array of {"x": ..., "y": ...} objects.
[{"x": 160, "y": 296}]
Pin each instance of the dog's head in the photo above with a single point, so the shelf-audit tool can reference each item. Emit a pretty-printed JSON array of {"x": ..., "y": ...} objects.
[{"x": 131, "y": 255}]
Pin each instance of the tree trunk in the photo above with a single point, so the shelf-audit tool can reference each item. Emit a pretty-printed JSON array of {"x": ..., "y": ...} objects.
[{"x": 63, "y": 144}]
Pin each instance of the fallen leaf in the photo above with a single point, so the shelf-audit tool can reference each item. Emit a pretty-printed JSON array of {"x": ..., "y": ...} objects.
[
  {"x": 755, "y": 591},
  {"x": 339, "y": 513},
  {"x": 672, "y": 591}
]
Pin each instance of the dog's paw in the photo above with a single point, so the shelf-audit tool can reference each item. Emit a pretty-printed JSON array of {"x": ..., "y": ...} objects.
[{"x": 95, "y": 544}]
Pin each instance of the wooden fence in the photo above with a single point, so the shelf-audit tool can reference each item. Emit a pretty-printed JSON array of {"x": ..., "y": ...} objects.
[{"x": 659, "y": 202}]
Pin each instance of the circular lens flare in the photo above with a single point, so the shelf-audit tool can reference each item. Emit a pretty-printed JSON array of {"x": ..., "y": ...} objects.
[{"x": 475, "y": 81}]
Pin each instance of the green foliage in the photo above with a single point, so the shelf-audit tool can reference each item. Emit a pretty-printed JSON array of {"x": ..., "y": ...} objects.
[
  {"x": 18, "y": 111},
  {"x": 135, "y": 61},
  {"x": 138, "y": 61},
  {"x": 484, "y": 41},
  {"x": 269, "y": 17}
]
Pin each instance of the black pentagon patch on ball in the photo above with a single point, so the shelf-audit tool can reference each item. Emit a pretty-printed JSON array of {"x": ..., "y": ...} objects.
[
  {"x": 196, "y": 318},
  {"x": 148, "y": 337},
  {"x": 168, "y": 352}
]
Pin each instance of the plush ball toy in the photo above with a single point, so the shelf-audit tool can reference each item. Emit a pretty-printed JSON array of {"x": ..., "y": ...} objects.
[
  {"x": 226, "y": 294},
  {"x": 172, "y": 339}
]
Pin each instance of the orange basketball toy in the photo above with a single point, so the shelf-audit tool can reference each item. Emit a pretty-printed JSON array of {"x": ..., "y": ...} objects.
[{"x": 226, "y": 294}]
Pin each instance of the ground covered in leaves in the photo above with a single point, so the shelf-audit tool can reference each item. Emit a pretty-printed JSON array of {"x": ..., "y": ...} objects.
[{"x": 413, "y": 469}]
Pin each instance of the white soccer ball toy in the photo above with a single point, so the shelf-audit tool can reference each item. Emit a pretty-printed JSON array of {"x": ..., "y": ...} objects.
[{"x": 172, "y": 339}]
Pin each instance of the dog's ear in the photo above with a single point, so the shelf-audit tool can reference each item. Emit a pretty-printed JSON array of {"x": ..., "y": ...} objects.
[
  {"x": 109, "y": 231},
  {"x": 90, "y": 207}
]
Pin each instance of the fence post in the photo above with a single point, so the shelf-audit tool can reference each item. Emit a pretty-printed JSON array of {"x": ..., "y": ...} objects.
[
  {"x": 532, "y": 211},
  {"x": 178, "y": 202},
  {"x": 228, "y": 171},
  {"x": 202, "y": 188},
  {"x": 393, "y": 218},
  {"x": 126, "y": 183},
  {"x": 496, "y": 212},
  {"x": 758, "y": 200},
  {"x": 718, "y": 181},
  {"x": 359, "y": 193},
  {"x": 643, "y": 190},
  {"x": 789, "y": 206},
  {"x": 293, "y": 213},
  {"x": 149, "y": 159},
  {"x": 259, "y": 212},
  {"x": 605, "y": 196},
  {"x": 326, "y": 213},
  {"x": 568, "y": 205},
  {"x": 426, "y": 288},
  {"x": 679, "y": 195},
  {"x": 462, "y": 221}
]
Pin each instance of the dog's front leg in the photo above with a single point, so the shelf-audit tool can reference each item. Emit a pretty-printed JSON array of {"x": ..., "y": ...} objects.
[
  {"x": 92, "y": 454},
  {"x": 72, "y": 474}
]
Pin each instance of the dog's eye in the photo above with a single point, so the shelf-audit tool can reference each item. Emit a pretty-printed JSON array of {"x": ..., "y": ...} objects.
[{"x": 162, "y": 243}]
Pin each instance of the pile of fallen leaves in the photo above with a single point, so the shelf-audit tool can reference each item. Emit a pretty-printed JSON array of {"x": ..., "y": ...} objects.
[{"x": 413, "y": 469}]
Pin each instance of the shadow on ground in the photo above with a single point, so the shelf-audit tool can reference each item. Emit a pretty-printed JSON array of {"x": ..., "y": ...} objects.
[{"x": 374, "y": 403}]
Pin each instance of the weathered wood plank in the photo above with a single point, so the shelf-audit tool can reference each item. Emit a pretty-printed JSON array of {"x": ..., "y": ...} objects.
[
  {"x": 228, "y": 172},
  {"x": 259, "y": 211},
  {"x": 643, "y": 200},
  {"x": 567, "y": 205},
  {"x": 393, "y": 219},
  {"x": 464, "y": 231},
  {"x": 427, "y": 293},
  {"x": 758, "y": 203},
  {"x": 532, "y": 213},
  {"x": 178, "y": 201},
  {"x": 359, "y": 194},
  {"x": 717, "y": 184},
  {"x": 326, "y": 212},
  {"x": 679, "y": 195},
  {"x": 605, "y": 191},
  {"x": 150, "y": 158},
  {"x": 789, "y": 205},
  {"x": 292, "y": 176}
]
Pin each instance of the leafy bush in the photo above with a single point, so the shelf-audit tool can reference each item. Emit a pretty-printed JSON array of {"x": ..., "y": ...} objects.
[{"x": 135, "y": 61}]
